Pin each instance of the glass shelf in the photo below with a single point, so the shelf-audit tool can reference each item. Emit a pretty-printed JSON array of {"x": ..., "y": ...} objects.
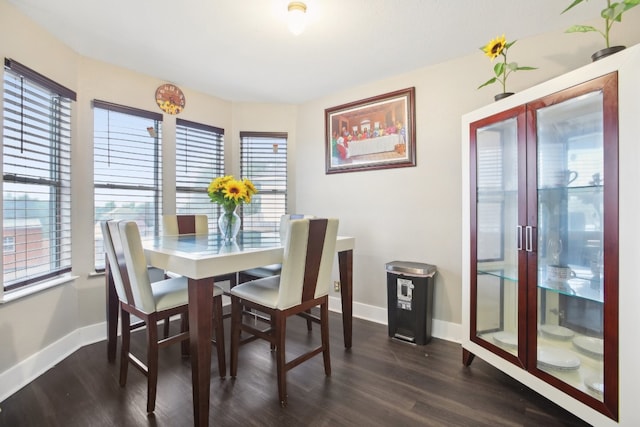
[
  {"x": 573, "y": 189},
  {"x": 583, "y": 285},
  {"x": 502, "y": 271},
  {"x": 575, "y": 287}
]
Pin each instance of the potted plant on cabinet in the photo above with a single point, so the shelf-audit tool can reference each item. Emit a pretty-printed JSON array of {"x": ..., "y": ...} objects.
[
  {"x": 611, "y": 14},
  {"x": 493, "y": 49}
]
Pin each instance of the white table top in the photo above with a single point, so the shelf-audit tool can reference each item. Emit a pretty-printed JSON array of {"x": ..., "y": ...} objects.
[{"x": 202, "y": 256}]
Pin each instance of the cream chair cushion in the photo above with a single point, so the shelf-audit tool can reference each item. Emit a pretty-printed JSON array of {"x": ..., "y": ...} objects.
[
  {"x": 285, "y": 291},
  {"x": 264, "y": 291}
]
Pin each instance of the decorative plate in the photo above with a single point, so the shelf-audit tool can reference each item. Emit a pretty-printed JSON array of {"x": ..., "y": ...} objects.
[
  {"x": 556, "y": 332},
  {"x": 591, "y": 346},
  {"x": 595, "y": 384},
  {"x": 507, "y": 339},
  {"x": 557, "y": 358}
]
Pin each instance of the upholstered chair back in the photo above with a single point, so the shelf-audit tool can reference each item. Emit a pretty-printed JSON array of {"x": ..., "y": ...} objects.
[
  {"x": 174, "y": 225},
  {"x": 112, "y": 259},
  {"x": 286, "y": 219},
  {"x": 307, "y": 261},
  {"x": 136, "y": 265}
]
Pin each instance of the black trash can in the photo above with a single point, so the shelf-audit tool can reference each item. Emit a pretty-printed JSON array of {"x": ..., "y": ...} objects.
[{"x": 410, "y": 300}]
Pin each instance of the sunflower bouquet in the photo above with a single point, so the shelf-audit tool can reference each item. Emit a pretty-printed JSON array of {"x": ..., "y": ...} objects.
[
  {"x": 499, "y": 47},
  {"x": 229, "y": 192}
]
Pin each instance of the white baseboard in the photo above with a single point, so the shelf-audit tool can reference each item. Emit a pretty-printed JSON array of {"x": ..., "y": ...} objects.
[
  {"x": 27, "y": 370},
  {"x": 439, "y": 328},
  {"x": 37, "y": 364}
]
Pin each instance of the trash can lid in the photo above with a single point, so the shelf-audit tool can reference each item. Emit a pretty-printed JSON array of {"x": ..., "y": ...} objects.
[{"x": 417, "y": 269}]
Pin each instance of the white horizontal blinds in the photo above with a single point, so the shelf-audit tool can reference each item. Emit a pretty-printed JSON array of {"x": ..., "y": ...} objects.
[
  {"x": 263, "y": 160},
  {"x": 127, "y": 169},
  {"x": 490, "y": 150},
  {"x": 199, "y": 159},
  {"x": 36, "y": 177},
  {"x": 496, "y": 160}
]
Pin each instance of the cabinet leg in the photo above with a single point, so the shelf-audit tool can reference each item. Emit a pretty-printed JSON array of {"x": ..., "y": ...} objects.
[{"x": 467, "y": 357}]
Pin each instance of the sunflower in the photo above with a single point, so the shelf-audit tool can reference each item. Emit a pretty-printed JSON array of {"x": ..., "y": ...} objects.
[
  {"x": 495, "y": 47},
  {"x": 502, "y": 69},
  {"x": 235, "y": 190},
  {"x": 218, "y": 184},
  {"x": 251, "y": 189},
  {"x": 230, "y": 192}
]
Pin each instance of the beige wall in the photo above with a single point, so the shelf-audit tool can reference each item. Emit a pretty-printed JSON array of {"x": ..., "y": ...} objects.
[
  {"x": 397, "y": 214},
  {"x": 414, "y": 214}
]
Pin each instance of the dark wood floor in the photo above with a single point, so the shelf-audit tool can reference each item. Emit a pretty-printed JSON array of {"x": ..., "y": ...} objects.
[{"x": 379, "y": 382}]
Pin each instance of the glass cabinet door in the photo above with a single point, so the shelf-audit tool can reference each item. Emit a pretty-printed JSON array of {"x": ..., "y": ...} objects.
[
  {"x": 571, "y": 181},
  {"x": 498, "y": 236}
]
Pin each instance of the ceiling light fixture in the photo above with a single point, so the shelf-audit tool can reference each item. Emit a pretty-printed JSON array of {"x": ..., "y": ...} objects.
[{"x": 297, "y": 17}]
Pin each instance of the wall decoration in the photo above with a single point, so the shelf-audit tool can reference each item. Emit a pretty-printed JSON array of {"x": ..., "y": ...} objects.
[
  {"x": 170, "y": 98},
  {"x": 373, "y": 133}
]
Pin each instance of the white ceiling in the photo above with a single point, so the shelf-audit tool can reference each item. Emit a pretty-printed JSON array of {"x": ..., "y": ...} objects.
[{"x": 241, "y": 50}]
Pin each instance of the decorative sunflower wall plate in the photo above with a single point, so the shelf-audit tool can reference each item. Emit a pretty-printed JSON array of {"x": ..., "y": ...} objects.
[{"x": 170, "y": 98}]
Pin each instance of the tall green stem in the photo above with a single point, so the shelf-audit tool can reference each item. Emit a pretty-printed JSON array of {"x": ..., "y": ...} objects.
[
  {"x": 608, "y": 24},
  {"x": 504, "y": 72}
]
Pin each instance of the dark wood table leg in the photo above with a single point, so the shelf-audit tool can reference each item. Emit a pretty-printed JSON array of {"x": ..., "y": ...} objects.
[
  {"x": 200, "y": 325},
  {"x": 112, "y": 314},
  {"x": 345, "y": 264}
]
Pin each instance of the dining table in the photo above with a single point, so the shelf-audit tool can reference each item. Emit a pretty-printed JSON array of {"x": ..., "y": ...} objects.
[{"x": 200, "y": 258}]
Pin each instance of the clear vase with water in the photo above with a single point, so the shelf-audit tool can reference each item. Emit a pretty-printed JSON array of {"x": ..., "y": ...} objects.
[{"x": 229, "y": 223}]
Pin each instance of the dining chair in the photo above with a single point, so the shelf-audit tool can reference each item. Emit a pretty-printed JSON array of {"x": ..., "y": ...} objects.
[
  {"x": 273, "y": 269},
  {"x": 193, "y": 224},
  {"x": 138, "y": 297},
  {"x": 185, "y": 224},
  {"x": 155, "y": 275},
  {"x": 304, "y": 283}
]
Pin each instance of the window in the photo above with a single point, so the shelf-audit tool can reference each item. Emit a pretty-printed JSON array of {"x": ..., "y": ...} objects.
[
  {"x": 127, "y": 169},
  {"x": 199, "y": 159},
  {"x": 263, "y": 159},
  {"x": 36, "y": 177}
]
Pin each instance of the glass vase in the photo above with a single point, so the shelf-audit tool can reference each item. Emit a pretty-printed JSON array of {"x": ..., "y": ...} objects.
[{"x": 229, "y": 223}]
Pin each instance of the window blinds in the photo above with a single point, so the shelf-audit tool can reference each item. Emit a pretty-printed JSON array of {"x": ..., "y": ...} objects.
[
  {"x": 127, "y": 169},
  {"x": 263, "y": 160},
  {"x": 199, "y": 159},
  {"x": 36, "y": 177}
]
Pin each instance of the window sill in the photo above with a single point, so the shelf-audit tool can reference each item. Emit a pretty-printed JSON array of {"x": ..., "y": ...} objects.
[
  {"x": 96, "y": 273},
  {"x": 11, "y": 296}
]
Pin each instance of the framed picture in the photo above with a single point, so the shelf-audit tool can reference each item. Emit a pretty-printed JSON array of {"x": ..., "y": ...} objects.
[{"x": 374, "y": 133}]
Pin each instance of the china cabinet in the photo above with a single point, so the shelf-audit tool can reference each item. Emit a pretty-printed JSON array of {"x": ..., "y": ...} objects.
[{"x": 550, "y": 237}]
